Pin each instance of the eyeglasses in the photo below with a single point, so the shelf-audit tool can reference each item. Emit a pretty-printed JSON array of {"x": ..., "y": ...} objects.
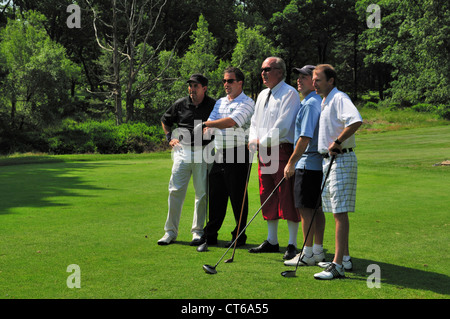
[
  {"x": 230, "y": 81},
  {"x": 267, "y": 69}
]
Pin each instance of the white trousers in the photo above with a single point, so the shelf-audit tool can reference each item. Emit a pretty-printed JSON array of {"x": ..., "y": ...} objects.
[{"x": 186, "y": 162}]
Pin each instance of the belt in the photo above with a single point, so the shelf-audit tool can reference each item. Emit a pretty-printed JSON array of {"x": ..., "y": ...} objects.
[{"x": 345, "y": 150}]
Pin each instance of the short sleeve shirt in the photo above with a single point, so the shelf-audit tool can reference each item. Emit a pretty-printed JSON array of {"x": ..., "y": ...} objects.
[
  {"x": 185, "y": 115},
  {"x": 338, "y": 112},
  {"x": 239, "y": 110},
  {"x": 307, "y": 125}
]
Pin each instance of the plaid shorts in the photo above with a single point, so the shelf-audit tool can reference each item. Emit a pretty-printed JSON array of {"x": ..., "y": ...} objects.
[{"x": 339, "y": 194}]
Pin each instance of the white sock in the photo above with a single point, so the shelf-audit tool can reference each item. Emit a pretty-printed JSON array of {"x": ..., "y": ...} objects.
[
  {"x": 317, "y": 249},
  {"x": 272, "y": 236},
  {"x": 346, "y": 258},
  {"x": 308, "y": 251},
  {"x": 293, "y": 231}
]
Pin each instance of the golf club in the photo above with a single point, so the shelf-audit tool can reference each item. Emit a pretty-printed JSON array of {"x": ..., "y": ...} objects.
[
  {"x": 212, "y": 269},
  {"x": 292, "y": 273},
  {"x": 242, "y": 208},
  {"x": 204, "y": 248}
]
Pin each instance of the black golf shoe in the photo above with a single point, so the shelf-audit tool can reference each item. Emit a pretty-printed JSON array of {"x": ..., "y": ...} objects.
[
  {"x": 265, "y": 247},
  {"x": 290, "y": 253}
]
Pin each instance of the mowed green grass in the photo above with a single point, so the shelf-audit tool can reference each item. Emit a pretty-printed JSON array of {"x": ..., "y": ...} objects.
[{"x": 106, "y": 213}]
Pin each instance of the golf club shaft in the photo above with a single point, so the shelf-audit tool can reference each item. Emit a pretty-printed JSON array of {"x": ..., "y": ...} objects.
[
  {"x": 315, "y": 210},
  {"x": 243, "y": 201},
  {"x": 254, "y": 216}
]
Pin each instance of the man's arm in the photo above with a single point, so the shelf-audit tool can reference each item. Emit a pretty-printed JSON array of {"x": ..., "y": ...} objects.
[
  {"x": 300, "y": 148},
  {"x": 168, "y": 132},
  {"x": 221, "y": 123},
  {"x": 346, "y": 133}
]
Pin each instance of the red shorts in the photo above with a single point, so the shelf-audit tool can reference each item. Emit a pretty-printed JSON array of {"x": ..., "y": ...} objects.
[{"x": 281, "y": 204}]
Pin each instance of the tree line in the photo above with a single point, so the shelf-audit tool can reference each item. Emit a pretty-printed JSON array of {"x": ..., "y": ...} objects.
[{"x": 129, "y": 60}]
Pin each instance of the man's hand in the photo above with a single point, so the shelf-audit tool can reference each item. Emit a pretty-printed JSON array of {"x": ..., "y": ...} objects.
[
  {"x": 289, "y": 170},
  {"x": 335, "y": 149},
  {"x": 174, "y": 143},
  {"x": 253, "y": 146}
]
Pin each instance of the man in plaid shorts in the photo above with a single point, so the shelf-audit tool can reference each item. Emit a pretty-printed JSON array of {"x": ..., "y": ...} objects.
[{"x": 339, "y": 121}]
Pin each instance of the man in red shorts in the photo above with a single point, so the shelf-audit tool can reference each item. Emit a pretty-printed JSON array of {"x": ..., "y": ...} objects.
[{"x": 272, "y": 134}]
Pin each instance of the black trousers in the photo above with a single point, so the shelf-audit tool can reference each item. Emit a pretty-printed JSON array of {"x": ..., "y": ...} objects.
[{"x": 227, "y": 180}]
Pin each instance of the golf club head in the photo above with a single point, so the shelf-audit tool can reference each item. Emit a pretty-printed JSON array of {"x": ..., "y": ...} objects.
[
  {"x": 210, "y": 269},
  {"x": 289, "y": 274},
  {"x": 228, "y": 261}
]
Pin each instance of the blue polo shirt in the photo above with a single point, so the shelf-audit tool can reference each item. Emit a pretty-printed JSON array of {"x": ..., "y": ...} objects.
[{"x": 307, "y": 124}]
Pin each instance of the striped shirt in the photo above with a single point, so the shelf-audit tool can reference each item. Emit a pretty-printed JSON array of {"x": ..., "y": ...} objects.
[{"x": 239, "y": 110}]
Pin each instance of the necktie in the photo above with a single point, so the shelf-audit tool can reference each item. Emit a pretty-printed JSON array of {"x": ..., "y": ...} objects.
[{"x": 267, "y": 99}]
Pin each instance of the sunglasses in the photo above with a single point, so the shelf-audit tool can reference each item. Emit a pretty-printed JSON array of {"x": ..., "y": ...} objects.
[
  {"x": 230, "y": 81},
  {"x": 267, "y": 69}
]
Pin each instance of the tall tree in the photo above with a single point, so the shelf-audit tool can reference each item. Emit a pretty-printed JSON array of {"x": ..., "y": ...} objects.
[
  {"x": 250, "y": 51},
  {"x": 39, "y": 73},
  {"x": 133, "y": 49}
]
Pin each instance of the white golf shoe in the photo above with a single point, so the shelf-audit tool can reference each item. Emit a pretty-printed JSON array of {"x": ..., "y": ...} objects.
[
  {"x": 306, "y": 261},
  {"x": 348, "y": 265},
  {"x": 167, "y": 239},
  {"x": 331, "y": 272}
]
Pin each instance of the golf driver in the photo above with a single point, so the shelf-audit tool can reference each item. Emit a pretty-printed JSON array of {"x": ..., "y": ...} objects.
[
  {"x": 212, "y": 269},
  {"x": 242, "y": 208},
  {"x": 292, "y": 273}
]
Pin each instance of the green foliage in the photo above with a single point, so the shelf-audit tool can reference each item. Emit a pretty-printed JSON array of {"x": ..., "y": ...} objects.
[
  {"x": 200, "y": 56},
  {"x": 413, "y": 42},
  {"x": 105, "y": 138},
  {"x": 371, "y": 105},
  {"x": 250, "y": 51},
  {"x": 424, "y": 108},
  {"x": 50, "y": 73},
  {"x": 39, "y": 73}
]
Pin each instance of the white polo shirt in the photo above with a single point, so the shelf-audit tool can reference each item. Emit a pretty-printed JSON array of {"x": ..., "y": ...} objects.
[{"x": 338, "y": 112}]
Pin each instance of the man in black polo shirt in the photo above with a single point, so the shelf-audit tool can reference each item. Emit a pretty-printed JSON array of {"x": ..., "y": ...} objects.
[{"x": 187, "y": 156}]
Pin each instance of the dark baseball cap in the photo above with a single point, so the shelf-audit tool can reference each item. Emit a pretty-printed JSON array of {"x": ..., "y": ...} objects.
[
  {"x": 306, "y": 70},
  {"x": 198, "y": 78}
]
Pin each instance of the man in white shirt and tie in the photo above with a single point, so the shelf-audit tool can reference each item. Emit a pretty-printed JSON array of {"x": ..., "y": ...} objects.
[{"x": 272, "y": 134}]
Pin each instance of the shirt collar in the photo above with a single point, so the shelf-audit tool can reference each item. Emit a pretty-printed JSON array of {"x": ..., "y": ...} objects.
[
  {"x": 277, "y": 87},
  {"x": 330, "y": 95},
  {"x": 310, "y": 95},
  {"x": 237, "y": 98}
]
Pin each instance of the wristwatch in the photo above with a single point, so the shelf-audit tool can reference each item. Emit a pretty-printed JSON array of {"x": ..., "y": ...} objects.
[{"x": 338, "y": 142}]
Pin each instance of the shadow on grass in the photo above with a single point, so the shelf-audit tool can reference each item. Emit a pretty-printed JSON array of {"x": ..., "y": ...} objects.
[
  {"x": 38, "y": 182},
  {"x": 398, "y": 276},
  {"x": 401, "y": 277}
]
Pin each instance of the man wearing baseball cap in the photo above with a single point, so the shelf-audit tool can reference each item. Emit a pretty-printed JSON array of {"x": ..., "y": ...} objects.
[
  {"x": 187, "y": 156},
  {"x": 305, "y": 166}
]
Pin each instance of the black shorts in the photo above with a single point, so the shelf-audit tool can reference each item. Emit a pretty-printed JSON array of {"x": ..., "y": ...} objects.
[{"x": 307, "y": 187}]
